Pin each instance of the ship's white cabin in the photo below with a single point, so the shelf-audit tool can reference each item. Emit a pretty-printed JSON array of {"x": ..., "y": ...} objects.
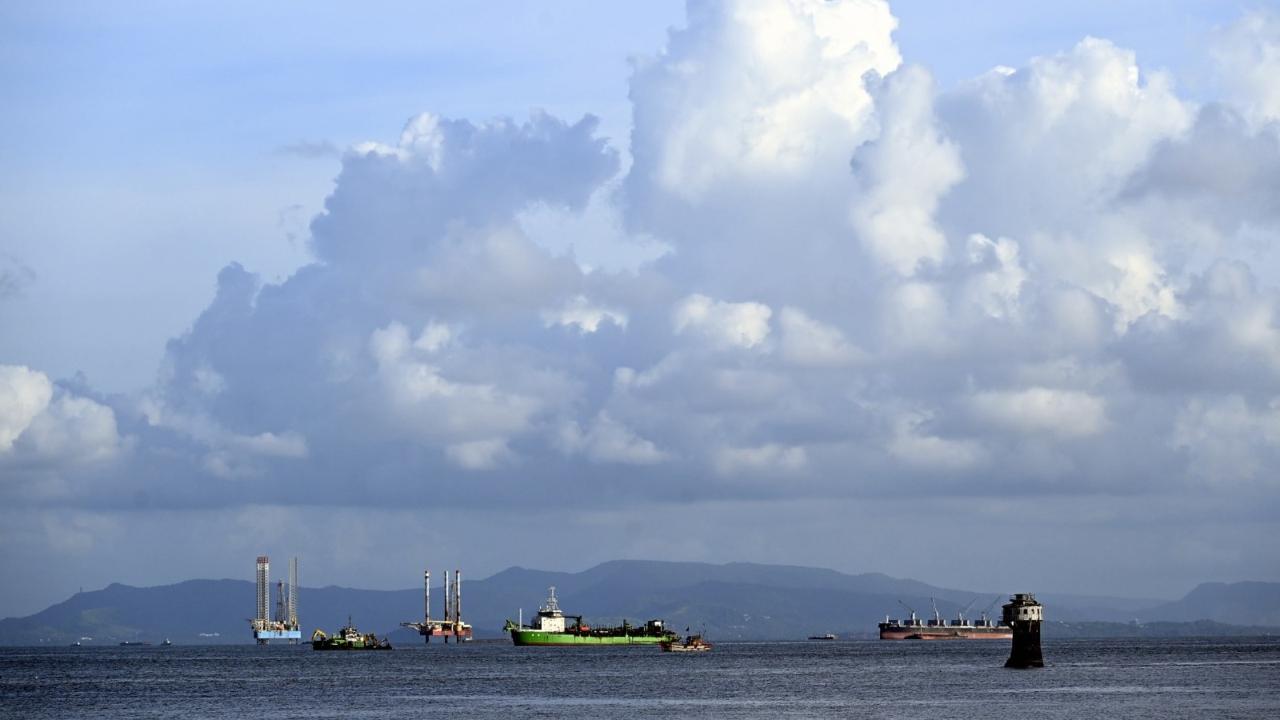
[{"x": 550, "y": 619}]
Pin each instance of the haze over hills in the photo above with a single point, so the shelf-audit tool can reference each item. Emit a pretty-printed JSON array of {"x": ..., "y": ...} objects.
[
  {"x": 1244, "y": 602},
  {"x": 731, "y": 601}
]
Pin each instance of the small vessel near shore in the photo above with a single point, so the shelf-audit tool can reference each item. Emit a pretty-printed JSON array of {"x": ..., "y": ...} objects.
[
  {"x": 348, "y": 638},
  {"x": 913, "y": 628},
  {"x": 550, "y": 627},
  {"x": 691, "y": 643},
  {"x": 827, "y": 636}
]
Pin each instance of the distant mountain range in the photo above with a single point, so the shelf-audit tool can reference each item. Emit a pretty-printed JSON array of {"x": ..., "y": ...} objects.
[
  {"x": 732, "y": 601},
  {"x": 1257, "y": 603}
]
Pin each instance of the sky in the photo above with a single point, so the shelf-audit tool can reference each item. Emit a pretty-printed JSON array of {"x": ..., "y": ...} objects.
[{"x": 985, "y": 296}]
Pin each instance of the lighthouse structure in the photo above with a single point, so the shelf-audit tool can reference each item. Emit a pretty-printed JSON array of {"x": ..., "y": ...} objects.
[{"x": 1024, "y": 614}]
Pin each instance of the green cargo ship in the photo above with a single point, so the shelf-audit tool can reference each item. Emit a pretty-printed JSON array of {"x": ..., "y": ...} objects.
[{"x": 550, "y": 628}]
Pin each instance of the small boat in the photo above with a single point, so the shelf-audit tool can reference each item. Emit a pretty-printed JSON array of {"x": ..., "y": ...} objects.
[
  {"x": 691, "y": 643},
  {"x": 133, "y": 643},
  {"x": 828, "y": 636},
  {"x": 166, "y": 642}
]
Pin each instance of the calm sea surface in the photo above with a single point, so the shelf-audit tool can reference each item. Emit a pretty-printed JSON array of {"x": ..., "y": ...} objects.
[{"x": 1226, "y": 678}]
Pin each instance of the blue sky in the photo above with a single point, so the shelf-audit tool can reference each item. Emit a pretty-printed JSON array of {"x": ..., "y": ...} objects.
[{"x": 301, "y": 265}]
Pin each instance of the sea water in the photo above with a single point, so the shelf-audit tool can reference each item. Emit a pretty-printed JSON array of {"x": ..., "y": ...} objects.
[{"x": 1193, "y": 678}]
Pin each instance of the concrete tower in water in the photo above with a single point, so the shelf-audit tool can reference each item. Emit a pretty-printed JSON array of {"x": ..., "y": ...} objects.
[{"x": 1024, "y": 614}]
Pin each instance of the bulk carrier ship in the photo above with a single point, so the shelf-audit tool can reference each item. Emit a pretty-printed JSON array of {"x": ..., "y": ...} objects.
[
  {"x": 938, "y": 629},
  {"x": 550, "y": 628}
]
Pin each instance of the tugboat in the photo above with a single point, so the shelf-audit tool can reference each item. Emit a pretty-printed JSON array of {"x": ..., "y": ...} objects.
[
  {"x": 691, "y": 643},
  {"x": 348, "y": 638}
]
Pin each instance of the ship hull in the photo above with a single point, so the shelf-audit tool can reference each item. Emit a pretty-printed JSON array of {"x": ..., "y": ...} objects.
[
  {"x": 945, "y": 633},
  {"x": 327, "y": 646},
  {"x": 542, "y": 638},
  {"x": 677, "y": 647},
  {"x": 264, "y": 635}
]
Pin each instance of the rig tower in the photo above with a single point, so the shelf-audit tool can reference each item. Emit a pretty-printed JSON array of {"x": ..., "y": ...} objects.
[
  {"x": 292, "y": 618},
  {"x": 452, "y": 626},
  {"x": 285, "y": 625},
  {"x": 1025, "y": 615},
  {"x": 263, "y": 576}
]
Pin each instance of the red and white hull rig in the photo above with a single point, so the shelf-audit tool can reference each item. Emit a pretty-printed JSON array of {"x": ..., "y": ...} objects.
[{"x": 913, "y": 628}]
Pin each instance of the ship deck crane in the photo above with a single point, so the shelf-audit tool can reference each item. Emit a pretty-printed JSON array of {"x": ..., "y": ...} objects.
[
  {"x": 987, "y": 609},
  {"x": 910, "y": 610}
]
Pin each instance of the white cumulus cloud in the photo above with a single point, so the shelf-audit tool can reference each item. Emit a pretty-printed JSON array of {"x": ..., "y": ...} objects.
[
  {"x": 742, "y": 325},
  {"x": 805, "y": 341},
  {"x": 581, "y": 313},
  {"x": 24, "y": 394},
  {"x": 607, "y": 440},
  {"x": 44, "y": 426}
]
